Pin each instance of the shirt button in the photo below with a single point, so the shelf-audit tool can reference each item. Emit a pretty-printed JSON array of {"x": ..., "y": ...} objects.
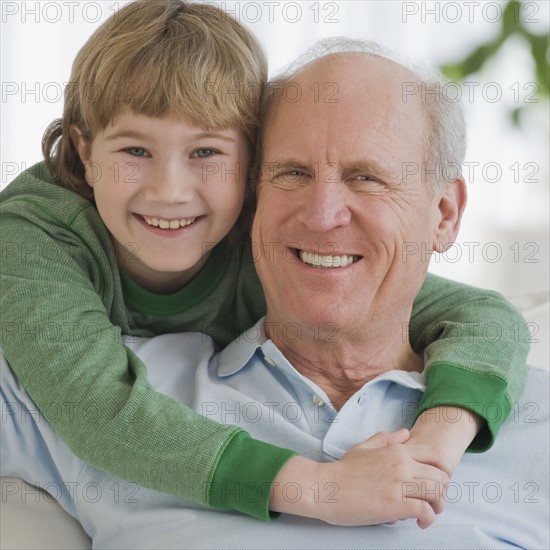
[
  {"x": 269, "y": 360},
  {"x": 318, "y": 401}
]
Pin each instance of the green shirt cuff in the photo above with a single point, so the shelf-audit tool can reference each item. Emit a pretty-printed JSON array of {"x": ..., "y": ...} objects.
[
  {"x": 481, "y": 393},
  {"x": 244, "y": 474}
]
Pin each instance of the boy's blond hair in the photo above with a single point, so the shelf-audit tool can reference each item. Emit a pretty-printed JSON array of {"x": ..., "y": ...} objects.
[{"x": 158, "y": 58}]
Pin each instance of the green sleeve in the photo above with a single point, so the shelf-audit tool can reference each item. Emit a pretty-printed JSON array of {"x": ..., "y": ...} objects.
[
  {"x": 476, "y": 344},
  {"x": 57, "y": 297},
  {"x": 236, "y": 483}
]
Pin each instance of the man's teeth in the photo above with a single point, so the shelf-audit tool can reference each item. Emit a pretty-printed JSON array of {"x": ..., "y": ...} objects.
[
  {"x": 169, "y": 224},
  {"x": 317, "y": 260}
]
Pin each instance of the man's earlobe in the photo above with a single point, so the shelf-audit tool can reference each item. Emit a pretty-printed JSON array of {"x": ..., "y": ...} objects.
[{"x": 451, "y": 207}]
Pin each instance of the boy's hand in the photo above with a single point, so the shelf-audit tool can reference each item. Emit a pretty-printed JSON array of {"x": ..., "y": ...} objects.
[
  {"x": 449, "y": 429},
  {"x": 377, "y": 481}
]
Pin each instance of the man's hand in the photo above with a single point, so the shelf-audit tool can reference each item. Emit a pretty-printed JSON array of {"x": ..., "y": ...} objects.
[{"x": 377, "y": 481}]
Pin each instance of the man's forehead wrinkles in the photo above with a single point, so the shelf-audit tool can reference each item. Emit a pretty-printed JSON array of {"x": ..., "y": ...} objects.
[{"x": 346, "y": 151}]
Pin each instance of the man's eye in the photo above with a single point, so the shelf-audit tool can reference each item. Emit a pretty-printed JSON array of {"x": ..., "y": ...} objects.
[
  {"x": 367, "y": 183},
  {"x": 136, "y": 151},
  {"x": 291, "y": 174},
  {"x": 204, "y": 153},
  {"x": 291, "y": 178},
  {"x": 364, "y": 180}
]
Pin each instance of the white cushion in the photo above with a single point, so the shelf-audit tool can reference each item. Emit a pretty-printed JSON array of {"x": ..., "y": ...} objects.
[{"x": 535, "y": 307}]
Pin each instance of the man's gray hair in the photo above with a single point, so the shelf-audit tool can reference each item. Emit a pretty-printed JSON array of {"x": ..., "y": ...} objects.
[{"x": 445, "y": 141}]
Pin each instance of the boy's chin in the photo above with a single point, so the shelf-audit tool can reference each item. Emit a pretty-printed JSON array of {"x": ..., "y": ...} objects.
[{"x": 164, "y": 275}]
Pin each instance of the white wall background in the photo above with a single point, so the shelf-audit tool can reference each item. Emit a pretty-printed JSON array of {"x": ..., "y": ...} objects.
[{"x": 504, "y": 240}]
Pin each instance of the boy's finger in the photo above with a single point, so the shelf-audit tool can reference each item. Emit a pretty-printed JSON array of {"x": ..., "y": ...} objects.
[
  {"x": 383, "y": 439},
  {"x": 427, "y": 454}
]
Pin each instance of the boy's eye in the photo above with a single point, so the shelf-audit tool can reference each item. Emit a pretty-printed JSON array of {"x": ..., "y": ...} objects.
[
  {"x": 203, "y": 153},
  {"x": 136, "y": 151}
]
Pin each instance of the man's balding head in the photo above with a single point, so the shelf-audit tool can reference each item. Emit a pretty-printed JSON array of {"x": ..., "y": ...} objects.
[
  {"x": 329, "y": 95},
  {"x": 313, "y": 74}
]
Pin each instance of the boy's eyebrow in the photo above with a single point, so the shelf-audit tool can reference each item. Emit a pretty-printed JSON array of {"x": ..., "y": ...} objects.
[
  {"x": 214, "y": 135},
  {"x": 126, "y": 134},
  {"x": 138, "y": 135}
]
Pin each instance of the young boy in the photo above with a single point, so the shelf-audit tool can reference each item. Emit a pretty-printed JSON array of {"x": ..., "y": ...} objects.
[{"x": 123, "y": 231}]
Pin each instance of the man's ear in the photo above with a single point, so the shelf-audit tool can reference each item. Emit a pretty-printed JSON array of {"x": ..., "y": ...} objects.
[
  {"x": 451, "y": 207},
  {"x": 82, "y": 146}
]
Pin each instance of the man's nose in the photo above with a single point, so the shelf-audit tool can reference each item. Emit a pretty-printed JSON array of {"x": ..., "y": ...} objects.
[
  {"x": 172, "y": 183},
  {"x": 325, "y": 205}
]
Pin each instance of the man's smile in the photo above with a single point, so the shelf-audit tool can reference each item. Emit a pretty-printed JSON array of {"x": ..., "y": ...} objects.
[{"x": 326, "y": 261}]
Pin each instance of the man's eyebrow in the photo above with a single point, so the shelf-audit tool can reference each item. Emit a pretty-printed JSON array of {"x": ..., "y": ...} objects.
[
  {"x": 276, "y": 166},
  {"x": 285, "y": 163},
  {"x": 368, "y": 167}
]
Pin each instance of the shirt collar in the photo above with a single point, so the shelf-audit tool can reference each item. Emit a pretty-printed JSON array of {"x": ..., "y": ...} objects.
[{"x": 239, "y": 352}]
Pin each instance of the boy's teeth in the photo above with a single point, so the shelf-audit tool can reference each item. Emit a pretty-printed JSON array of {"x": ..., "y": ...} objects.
[
  {"x": 316, "y": 260},
  {"x": 169, "y": 224}
]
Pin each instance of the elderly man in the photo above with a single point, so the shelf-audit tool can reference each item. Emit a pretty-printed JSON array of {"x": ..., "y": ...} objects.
[{"x": 328, "y": 366}]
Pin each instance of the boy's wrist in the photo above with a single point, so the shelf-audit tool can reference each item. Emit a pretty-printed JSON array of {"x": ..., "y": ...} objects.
[
  {"x": 298, "y": 474},
  {"x": 451, "y": 429}
]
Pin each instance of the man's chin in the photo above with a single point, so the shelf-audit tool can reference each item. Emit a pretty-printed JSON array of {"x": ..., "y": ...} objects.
[{"x": 314, "y": 324}]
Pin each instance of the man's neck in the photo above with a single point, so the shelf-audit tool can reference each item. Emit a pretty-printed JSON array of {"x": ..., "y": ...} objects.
[{"x": 342, "y": 363}]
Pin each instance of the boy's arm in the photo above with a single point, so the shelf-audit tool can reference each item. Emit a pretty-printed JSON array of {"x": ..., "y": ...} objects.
[
  {"x": 476, "y": 344},
  {"x": 57, "y": 297}
]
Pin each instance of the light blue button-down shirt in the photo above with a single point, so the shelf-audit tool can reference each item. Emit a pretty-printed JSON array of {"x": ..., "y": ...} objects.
[{"x": 498, "y": 499}]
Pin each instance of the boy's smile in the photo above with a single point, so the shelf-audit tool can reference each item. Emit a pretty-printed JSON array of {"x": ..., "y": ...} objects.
[
  {"x": 168, "y": 228},
  {"x": 167, "y": 191},
  {"x": 169, "y": 224}
]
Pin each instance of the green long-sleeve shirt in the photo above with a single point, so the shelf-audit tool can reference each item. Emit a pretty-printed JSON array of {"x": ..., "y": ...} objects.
[{"x": 64, "y": 305}]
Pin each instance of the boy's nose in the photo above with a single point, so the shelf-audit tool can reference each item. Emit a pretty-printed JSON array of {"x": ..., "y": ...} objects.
[{"x": 172, "y": 184}]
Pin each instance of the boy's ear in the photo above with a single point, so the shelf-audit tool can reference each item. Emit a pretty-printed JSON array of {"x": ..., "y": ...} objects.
[
  {"x": 81, "y": 144},
  {"x": 451, "y": 207}
]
